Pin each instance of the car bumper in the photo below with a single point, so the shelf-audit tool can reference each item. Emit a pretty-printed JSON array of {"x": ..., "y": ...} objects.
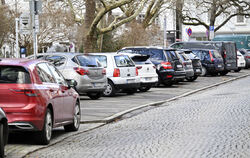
[
  {"x": 189, "y": 72},
  {"x": 91, "y": 87},
  {"x": 127, "y": 86},
  {"x": 197, "y": 71},
  {"x": 149, "y": 79},
  {"x": 215, "y": 68}
]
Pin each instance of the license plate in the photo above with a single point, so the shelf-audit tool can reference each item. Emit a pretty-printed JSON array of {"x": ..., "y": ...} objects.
[
  {"x": 130, "y": 81},
  {"x": 198, "y": 70},
  {"x": 148, "y": 78},
  {"x": 96, "y": 84},
  {"x": 219, "y": 66},
  {"x": 228, "y": 64},
  {"x": 179, "y": 66}
]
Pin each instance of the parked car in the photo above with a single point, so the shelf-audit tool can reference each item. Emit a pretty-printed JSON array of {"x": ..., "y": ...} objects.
[
  {"x": 168, "y": 65},
  {"x": 196, "y": 62},
  {"x": 121, "y": 72},
  {"x": 246, "y": 55},
  {"x": 211, "y": 60},
  {"x": 187, "y": 64},
  {"x": 36, "y": 97},
  {"x": 146, "y": 71},
  {"x": 89, "y": 73},
  {"x": 241, "y": 63},
  {"x": 226, "y": 49},
  {"x": 4, "y": 132}
]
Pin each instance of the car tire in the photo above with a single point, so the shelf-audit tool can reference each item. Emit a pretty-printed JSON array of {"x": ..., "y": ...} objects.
[
  {"x": 204, "y": 71},
  {"x": 223, "y": 73},
  {"x": 77, "y": 119},
  {"x": 44, "y": 136},
  {"x": 238, "y": 70},
  {"x": 94, "y": 96},
  {"x": 168, "y": 84},
  {"x": 110, "y": 89},
  {"x": 145, "y": 88},
  {"x": 191, "y": 79},
  {"x": 2, "y": 142}
]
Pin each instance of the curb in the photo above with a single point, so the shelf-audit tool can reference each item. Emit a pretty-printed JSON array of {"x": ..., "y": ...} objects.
[{"x": 120, "y": 114}]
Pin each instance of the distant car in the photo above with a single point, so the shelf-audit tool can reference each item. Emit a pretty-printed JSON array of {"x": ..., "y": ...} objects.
[
  {"x": 36, "y": 97},
  {"x": 240, "y": 61},
  {"x": 187, "y": 64},
  {"x": 121, "y": 72},
  {"x": 146, "y": 71},
  {"x": 212, "y": 61},
  {"x": 4, "y": 131},
  {"x": 89, "y": 73},
  {"x": 196, "y": 62},
  {"x": 168, "y": 65},
  {"x": 246, "y": 55}
]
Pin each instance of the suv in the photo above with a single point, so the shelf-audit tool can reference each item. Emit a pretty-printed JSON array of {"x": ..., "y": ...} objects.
[
  {"x": 89, "y": 73},
  {"x": 187, "y": 63},
  {"x": 196, "y": 62},
  {"x": 212, "y": 61},
  {"x": 168, "y": 65},
  {"x": 226, "y": 49},
  {"x": 121, "y": 71},
  {"x": 146, "y": 70}
]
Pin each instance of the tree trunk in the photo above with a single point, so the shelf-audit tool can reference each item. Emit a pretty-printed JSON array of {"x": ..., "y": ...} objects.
[{"x": 90, "y": 39}]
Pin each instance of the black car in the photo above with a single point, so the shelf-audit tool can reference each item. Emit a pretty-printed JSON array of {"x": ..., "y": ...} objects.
[
  {"x": 211, "y": 60},
  {"x": 3, "y": 132},
  {"x": 167, "y": 62},
  {"x": 227, "y": 50},
  {"x": 196, "y": 62}
]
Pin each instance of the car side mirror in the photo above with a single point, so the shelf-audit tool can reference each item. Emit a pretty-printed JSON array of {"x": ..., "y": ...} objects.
[{"x": 71, "y": 83}]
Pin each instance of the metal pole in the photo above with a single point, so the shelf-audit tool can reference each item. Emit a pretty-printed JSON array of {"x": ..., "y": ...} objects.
[
  {"x": 34, "y": 28},
  {"x": 17, "y": 45},
  {"x": 165, "y": 32}
]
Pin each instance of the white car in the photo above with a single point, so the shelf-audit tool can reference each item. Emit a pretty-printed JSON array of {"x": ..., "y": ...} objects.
[
  {"x": 241, "y": 62},
  {"x": 121, "y": 72},
  {"x": 146, "y": 70}
]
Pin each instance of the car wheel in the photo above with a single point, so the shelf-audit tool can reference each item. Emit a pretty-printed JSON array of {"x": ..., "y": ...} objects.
[
  {"x": 238, "y": 70},
  {"x": 168, "y": 84},
  {"x": 204, "y": 71},
  {"x": 77, "y": 118},
  {"x": 110, "y": 90},
  {"x": 2, "y": 143},
  {"x": 223, "y": 73},
  {"x": 145, "y": 88},
  {"x": 191, "y": 79},
  {"x": 44, "y": 136},
  {"x": 94, "y": 96}
]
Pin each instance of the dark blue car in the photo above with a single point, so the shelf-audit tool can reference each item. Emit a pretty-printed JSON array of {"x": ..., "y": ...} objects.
[{"x": 211, "y": 60}]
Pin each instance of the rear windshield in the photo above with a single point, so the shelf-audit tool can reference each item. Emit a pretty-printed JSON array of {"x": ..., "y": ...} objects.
[
  {"x": 14, "y": 74},
  {"x": 123, "y": 61},
  {"x": 88, "y": 61},
  {"x": 172, "y": 55},
  {"x": 141, "y": 60},
  {"x": 216, "y": 54},
  {"x": 184, "y": 57},
  {"x": 191, "y": 55},
  {"x": 102, "y": 59}
]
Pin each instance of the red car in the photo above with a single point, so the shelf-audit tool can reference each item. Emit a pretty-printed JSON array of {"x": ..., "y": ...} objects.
[{"x": 36, "y": 97}]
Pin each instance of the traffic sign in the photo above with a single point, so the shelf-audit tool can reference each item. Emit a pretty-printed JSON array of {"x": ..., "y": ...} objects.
[
  {"x": 211, "y": 32},
  {"x": 211, "y": 28},
  {"x": 189, "y": 32},
  {"x": 25, "y": 23}
]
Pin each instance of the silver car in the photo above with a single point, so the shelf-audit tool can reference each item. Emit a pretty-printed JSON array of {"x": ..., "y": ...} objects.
[{"x": 86, "y": 70}]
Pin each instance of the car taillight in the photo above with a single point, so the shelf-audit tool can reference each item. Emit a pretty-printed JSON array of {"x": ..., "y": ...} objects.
[
  {"x": 116, "y": 73},
  {"x": 138, "y": 67},
  {"x": 28, "y": 92},
  {"x": 104, "y": 71},
  {"x": 81, "y": 71},
  {"x": 136, "y": 70},
  {"x": 211, "y": 56},
  {"x": 248, "y": 57},
  {"x": 225, "y": 54},
  {"x": 166, "y": 65}
]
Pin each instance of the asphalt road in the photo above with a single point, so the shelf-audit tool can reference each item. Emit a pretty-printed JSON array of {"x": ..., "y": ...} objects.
[
  {"x": 92, "y": 110},
  {"x": 212, "y": 123}
]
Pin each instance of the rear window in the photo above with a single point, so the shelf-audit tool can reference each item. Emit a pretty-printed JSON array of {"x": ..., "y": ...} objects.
[
  {"x": 184, "y": 57},
  {"x": 88, "y": 61},
  {"x": 57, "y": 60},
  {"x": 123, "y": 61},
  {"x": 14, "y": 74},
  {"x": 172, "y": 55},
  {"x": 102, "y": 59},
  {"x": 141, "y": 60},
  {"x": 216, "y": 54}
]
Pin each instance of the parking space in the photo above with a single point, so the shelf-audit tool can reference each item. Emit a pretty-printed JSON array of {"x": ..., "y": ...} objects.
[{"x": 96, "y": 110}]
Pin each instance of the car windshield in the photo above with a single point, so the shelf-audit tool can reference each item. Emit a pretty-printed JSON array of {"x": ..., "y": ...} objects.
[
  {"x": 102, "y": 59},
  {"x": 88, "y": 61},
  {"x": 14, "y": 74},
  {"x": 123, "y": 61}
]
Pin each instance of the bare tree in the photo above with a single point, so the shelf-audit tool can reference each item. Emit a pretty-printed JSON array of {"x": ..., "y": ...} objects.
[{"x": 219, "y": 12}]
